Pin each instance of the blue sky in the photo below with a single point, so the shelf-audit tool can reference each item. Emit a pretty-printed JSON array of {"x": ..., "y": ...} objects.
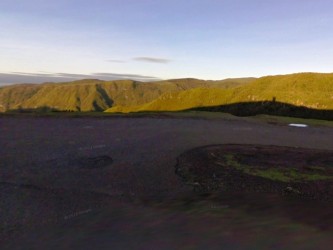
[{"x": 150, "y": 39}]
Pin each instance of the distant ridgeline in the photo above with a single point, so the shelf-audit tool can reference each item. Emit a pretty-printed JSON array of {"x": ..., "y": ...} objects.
[{"x": 304, "y": 93}]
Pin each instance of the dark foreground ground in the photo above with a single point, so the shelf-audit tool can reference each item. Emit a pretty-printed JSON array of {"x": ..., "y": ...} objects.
[{"x": 110, "y": 183}]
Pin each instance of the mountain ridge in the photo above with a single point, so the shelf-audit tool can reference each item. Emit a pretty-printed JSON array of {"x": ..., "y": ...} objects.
[
  {"x": 98, "y": 95},
  {"x": 313, "y": 90}
]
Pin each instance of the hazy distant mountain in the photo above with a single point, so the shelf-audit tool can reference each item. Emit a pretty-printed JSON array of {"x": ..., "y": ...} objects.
[{"x": 97, "y": 95}]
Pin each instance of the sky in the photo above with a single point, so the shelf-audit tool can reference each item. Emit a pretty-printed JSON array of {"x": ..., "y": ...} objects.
[{"x": 44, "y": 40}]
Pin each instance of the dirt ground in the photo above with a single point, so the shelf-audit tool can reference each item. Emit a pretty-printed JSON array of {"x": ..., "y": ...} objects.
[
  {"x": 110, "y": 183},
  {"x": 299, "y": 172}
]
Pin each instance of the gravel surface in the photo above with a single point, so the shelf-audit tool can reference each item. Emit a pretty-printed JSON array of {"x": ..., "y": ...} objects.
[{"x": 85, "y": 182}]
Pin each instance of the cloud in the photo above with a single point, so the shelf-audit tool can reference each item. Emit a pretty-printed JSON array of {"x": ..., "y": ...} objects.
[
  {"x": 114, "y": 76},
  {"x": 21, "y": 77},
  {"x": 152, "y": 59},
  {"x": 116, "y": 61}
]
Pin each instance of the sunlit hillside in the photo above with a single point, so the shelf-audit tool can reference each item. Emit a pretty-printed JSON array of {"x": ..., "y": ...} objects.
[
  {"x": 305, "y": 89},
  {"x": 96, "y": 95}
]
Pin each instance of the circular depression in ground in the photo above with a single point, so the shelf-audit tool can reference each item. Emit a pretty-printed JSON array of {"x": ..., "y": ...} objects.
[{"x": 305, "y": 173}]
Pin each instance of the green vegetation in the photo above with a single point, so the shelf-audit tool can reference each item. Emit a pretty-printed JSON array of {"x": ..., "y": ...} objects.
[
  {"x": 287, "y": 174},
  {"x": 305, "y": 89},
  {"x": 305, "y": 95},
  {"x": 96, "y": 95}
]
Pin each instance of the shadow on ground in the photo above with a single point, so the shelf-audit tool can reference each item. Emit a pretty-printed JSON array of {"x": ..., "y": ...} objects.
[{"x": 270, "y": 108}]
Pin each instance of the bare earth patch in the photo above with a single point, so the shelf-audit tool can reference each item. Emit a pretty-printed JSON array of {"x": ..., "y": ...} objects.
[{"x": 304, "y": 173}]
